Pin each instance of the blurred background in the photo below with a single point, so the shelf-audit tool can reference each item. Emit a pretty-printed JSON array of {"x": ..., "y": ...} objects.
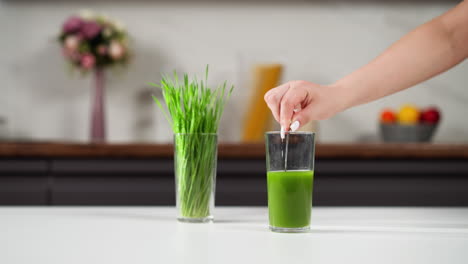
[
  {"x": 318, "y": 41},
  {"x": 46, "y": 108}
]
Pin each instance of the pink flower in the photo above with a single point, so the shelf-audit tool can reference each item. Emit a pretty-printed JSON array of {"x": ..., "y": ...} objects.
[
  {"x": 102, "y": 49},
  {"x": 116, "y": 50},
  {"x": 72, "y": 24},
  {"x": 88, "y": 61},
  {"x": 71, "y": 43},
  {"x": 90, "y": 29}
]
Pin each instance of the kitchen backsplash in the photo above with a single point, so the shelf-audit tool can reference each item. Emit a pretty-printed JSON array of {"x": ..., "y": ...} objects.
[{"x": 315, "y": 41}]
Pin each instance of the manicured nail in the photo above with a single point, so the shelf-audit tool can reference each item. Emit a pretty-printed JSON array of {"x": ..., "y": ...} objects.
[
  {"x": 282, "y": 132},
  {"x": 294, "y": 126}
]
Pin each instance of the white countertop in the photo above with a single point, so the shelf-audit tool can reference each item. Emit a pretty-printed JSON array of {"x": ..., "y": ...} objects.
[{"x": 115, "y": 235}]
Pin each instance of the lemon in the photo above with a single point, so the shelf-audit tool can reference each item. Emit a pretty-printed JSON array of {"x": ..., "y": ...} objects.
[{"x": 408, "y": 115}]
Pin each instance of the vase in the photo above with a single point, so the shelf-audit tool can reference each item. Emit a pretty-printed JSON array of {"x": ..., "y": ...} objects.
[
  {"x": 195, "y": 160},
  {"x": 98, "y": 126}
]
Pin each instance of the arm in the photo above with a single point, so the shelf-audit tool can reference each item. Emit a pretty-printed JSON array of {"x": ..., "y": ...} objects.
[{"x": 428, "y": 50}]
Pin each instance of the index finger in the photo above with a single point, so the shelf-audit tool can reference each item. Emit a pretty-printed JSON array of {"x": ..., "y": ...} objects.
[
  {"x": 273, "y": 99},
  {"x": 290, "y": 100}
]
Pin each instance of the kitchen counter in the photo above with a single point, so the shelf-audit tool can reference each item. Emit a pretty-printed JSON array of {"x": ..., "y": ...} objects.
[
  {"x": 239, "y": 235},
  {"x": 243, "y": 150}
]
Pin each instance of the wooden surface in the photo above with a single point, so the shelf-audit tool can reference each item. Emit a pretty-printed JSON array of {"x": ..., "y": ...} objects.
[{"x": 235, "y": 151}]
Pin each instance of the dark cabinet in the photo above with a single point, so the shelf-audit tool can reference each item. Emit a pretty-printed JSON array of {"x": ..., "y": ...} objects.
[
  {"x": 133, "y": 181},
  {"x": 24, "y": 182},
  {"x": 112, "y": 182},
  {"x": 142, "y": 174}
]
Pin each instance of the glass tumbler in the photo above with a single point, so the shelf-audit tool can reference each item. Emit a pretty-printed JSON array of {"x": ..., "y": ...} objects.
[
  {"x": 195, "y": 160},
  {"x": 290, "y": 174}
]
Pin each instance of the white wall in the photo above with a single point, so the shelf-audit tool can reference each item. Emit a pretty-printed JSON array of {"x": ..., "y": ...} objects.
[{"x": 318, "y": 42}]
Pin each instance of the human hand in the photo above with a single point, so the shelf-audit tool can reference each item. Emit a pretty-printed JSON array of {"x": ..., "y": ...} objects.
[{"x": 296, "y": 103}]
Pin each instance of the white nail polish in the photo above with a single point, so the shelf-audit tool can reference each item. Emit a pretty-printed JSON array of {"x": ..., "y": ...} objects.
[
  {"x": 294, "y": 126},
  {"x": 282, "y": 132}
]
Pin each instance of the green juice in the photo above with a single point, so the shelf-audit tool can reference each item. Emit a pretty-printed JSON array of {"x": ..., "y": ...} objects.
[{"x": 290, "y": 198}]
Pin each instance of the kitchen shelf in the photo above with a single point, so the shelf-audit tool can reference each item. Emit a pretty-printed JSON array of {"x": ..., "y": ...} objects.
[{"x": 235, "y": 151}]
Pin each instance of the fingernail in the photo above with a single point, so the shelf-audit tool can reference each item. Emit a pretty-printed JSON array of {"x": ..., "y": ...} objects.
[
  {"x": 282, "y": 132},
  {"x": 294, "y": 126}
]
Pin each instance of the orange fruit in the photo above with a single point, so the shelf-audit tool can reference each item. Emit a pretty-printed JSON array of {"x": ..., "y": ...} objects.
[{"x": 387, "y": 116}]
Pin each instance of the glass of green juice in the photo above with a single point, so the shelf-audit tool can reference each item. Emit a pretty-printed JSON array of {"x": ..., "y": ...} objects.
[{"x": 290, "y": 174}]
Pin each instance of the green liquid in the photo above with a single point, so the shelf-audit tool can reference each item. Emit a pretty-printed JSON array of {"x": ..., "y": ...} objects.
[{"x": 290, "y": 198}]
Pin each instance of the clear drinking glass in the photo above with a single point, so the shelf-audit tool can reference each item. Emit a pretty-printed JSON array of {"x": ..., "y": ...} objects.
[
  {"x": 195, "y": 159},
  {"x": 290, "y": 174}
]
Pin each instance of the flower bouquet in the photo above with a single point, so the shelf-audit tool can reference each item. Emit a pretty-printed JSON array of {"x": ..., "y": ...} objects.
[{"x": 91, "y": 41}]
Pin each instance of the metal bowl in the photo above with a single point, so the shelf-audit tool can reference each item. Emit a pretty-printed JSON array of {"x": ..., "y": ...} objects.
[{"x": 407, "y": 133}]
